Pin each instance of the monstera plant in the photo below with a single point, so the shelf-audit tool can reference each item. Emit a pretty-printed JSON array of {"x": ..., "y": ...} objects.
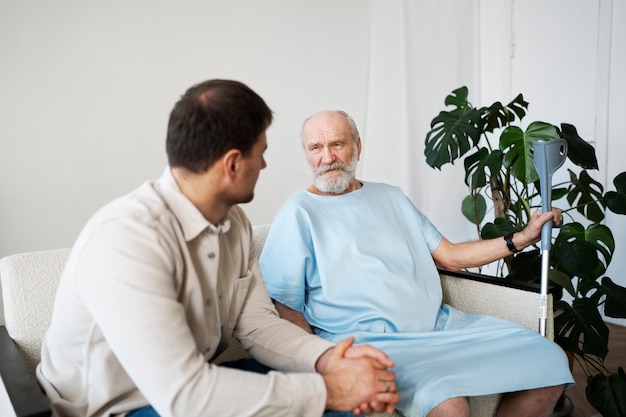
[{"x": 496, "y": 151}]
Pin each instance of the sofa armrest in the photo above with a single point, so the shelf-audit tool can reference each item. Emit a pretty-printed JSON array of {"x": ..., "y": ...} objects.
[
  {"x": 516, "y": 301},
  {"x": 25, "y": 395}
]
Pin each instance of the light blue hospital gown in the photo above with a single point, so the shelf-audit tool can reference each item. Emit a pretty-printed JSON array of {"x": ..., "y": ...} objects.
[{"x": 360, "y": 264}]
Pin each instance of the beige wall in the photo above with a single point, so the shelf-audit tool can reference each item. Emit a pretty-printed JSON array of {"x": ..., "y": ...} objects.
[{"x": 86, "y": 89}]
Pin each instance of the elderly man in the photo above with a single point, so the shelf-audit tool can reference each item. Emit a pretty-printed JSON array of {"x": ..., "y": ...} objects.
[
  {"x": 160, "y": 279},
  {"x": 350, "y": 257}
]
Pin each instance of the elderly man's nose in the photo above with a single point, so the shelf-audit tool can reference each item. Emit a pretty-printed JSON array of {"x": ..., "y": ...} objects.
[{"x": 327, "y": 154}]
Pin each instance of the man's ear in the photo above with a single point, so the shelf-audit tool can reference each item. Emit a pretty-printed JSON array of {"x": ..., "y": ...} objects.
[{"x": 231, "y": 162}]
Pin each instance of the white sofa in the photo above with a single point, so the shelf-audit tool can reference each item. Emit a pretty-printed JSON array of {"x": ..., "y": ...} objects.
[{"x": 29, "y": 282}]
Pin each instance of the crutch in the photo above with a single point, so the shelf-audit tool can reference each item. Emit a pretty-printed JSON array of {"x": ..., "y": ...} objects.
[{"x": 549, "y": 156}]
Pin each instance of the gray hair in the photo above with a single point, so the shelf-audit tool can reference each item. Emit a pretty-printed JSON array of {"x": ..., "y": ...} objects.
[{"x": 353, "y": 129}]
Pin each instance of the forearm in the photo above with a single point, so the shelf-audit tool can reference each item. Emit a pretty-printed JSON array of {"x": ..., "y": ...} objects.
[
  {"x": 481, "y": 252},
  {"x": 478, "y": 253},
  {"x": 272, "y": 394},
  {"x": 293, "y": 316},
  {"x": 271, "y": 340}
]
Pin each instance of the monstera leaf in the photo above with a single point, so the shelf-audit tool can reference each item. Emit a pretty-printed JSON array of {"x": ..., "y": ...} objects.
[
  {"x": 585, "y": 253},
  {"x": 616, "y": 200},
  {"x": 579, "y": 327},
  {"x": 517, "y": 146},
  {"x": 526, "y": 266},
  {"x": 585, "y": 194},
  {"x": 606, "y": 393},
  {"x": 497, "y": 115},
  {"x": 615, "y": 303},
  {"x": 561, "y": 279},
  {"x": 578, "y": 150},
  {"x": 481, "y": 166},
  {"x": 453, "y": 133}
]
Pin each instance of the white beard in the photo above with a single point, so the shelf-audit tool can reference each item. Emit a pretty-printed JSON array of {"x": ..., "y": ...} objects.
[{"x": 335, "y": 178}]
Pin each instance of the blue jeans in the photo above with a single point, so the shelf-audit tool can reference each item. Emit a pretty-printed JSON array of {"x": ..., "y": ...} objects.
[
  {"x": 143, "y": 412},
  {"x": 243, "y": 364}
]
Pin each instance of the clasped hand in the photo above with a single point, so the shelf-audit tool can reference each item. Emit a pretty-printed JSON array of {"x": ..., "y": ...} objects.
[{"x": 358, "y": 378}]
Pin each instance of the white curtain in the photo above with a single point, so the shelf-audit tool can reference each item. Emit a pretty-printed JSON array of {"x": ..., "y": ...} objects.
[{"x": 420, "y": 52}]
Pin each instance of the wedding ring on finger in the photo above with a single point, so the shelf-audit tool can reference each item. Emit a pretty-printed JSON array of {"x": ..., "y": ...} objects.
[{"x": 387, "y": 386}]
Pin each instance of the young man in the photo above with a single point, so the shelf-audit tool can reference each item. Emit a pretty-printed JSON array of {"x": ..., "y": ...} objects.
[
  {"x": 349, "y": 257},
  {"x": 160, "y": 279}
]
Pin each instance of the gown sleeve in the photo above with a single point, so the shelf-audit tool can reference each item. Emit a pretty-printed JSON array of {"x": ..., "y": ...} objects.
[{"x": 285, "y": 257}]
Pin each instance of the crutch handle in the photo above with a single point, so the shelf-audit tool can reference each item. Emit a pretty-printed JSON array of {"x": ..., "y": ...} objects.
[{"x": 549, "y": 156}]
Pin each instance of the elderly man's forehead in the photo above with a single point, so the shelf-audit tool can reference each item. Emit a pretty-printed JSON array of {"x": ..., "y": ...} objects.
[{"x": 327, "y": 123}]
